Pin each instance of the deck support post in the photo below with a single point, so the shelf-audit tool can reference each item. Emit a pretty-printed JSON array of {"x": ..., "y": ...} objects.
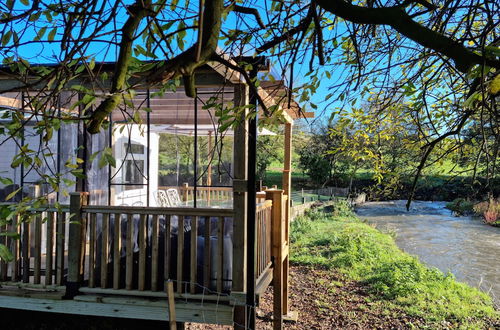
[
  {"x": 240, "y": 154},
  {"x": 277, "y": 235},
  {"x": 280, "y": 253},
  {"x": 287, "y": 187},
  {"x": 76, "y": 238}
]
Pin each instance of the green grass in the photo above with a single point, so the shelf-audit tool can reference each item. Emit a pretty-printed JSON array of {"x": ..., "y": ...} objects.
[
  {"x": 340, "y": 241},
  {"x": 275, "y": 177}
]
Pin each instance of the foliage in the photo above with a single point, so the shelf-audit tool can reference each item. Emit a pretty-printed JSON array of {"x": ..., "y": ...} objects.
[
  {"x": 269, "y": 150},
  {"x": 490, "y": 210},
  {"x": 317, "y": 159},
  {"x": 342, "y": 208},
  {"x": 362, "y": 253},
  {"x": 460, "y": 206},
  {"x": 439, "y": 59}
]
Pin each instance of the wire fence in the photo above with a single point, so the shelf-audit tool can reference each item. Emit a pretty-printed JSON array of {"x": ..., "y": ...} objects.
[{"x": 304, "y": 196}]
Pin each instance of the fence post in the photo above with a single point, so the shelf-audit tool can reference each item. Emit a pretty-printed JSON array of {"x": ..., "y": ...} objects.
[
  {"x": 276, "y": 196},
  {"x": 185, "y": 192},
  {"x": 76, "y": 243}
]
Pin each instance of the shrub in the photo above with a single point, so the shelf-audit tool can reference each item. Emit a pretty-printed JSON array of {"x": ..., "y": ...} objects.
[
  {"x": 460, "y": 206},
  {"x": 490, "y": 210},
  {"x": 342, "y": 208}
]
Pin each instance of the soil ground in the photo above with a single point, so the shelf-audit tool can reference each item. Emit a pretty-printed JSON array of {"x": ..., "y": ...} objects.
[{"x": 325, "y": 301}]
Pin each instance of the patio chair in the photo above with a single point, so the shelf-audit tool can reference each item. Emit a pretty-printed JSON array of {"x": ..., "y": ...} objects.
[
  {"x": 162, "y": 199},
  {"x": 173, "y": 197}
]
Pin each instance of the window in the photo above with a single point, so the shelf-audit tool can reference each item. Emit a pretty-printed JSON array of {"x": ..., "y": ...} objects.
[{"x": 133, "y": 171}]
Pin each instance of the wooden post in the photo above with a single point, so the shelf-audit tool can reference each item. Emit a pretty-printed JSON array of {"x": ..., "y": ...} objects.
[
  {"x": 171, "y": 306},
  {"x": 209, "y": 169},
  {"x": 277, "y": 217},
  {"x": 240, "y": 155},
  {"x": 185, "y": 192},
  {"x": 76, "y": 243},
  {"x": 280, "y": 256},
  {"x": 287, "y": 187}
]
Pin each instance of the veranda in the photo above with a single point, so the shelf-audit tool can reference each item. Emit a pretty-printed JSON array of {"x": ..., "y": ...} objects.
[{"x": 121, "y": 235}]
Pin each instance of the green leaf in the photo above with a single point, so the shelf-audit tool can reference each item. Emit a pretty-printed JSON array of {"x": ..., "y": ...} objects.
[
  {"x": 6, "y": 38},
  {"x": 12, "y": 194},
  {"x": 25, "y": 2},
  {"x": 5, "y": 254},
  {"x": 6, "y": 181},
  {"x": 40, "y": 33},
  {"x": 52, "y": 34}
]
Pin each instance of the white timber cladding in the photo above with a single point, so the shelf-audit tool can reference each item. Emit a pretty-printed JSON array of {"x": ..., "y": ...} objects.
[
  {"x": 130, "y": 176},
  {"x": 7, "y": 151}
]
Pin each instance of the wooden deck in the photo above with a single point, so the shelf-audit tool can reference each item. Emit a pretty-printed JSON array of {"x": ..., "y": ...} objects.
[{"x": 114, "y": 261}]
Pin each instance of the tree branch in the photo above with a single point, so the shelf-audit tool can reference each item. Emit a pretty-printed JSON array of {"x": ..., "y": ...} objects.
[
  {"x": 183, "y": 64},
  {"x": 137, "y": 12},
  {"x": 398, "y": 19},
  {"x": 251, "y": 11},
  {"x": 301, "y": 27}
]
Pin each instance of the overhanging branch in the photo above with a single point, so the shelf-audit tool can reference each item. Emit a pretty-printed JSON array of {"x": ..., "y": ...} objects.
[{"x": 397, "y": 18}]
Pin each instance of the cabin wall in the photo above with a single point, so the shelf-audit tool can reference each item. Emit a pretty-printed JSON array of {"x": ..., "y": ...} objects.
[{"x": 130, "y": 176}]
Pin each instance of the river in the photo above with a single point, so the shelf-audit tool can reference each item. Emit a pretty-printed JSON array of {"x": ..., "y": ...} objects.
[{"x": 463, "y": 246}]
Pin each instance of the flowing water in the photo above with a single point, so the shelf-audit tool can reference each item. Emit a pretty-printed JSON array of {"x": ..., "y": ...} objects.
[{"x": 463, "y": 246}]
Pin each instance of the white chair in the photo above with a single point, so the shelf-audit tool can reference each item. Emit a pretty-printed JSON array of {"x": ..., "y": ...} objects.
[
  {"x": 162, "y": 199},
  {"x": 173, "y": 197}
]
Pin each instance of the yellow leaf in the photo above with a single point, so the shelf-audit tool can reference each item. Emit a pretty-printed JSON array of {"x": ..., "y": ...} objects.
[{"x": 495, "y": 85}]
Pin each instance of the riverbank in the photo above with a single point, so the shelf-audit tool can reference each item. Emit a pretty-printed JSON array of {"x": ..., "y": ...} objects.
[
  {"x": 347, "y": 275},
  {"x": 395, "y": 283}
]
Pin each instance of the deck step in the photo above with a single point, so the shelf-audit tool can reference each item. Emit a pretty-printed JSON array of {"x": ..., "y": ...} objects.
[{"x": 124, "y": 307}]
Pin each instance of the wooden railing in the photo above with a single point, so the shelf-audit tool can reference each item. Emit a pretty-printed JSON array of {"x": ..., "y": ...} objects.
[
  {"x": 37, "y": 240},
  {"x": 209, "y": 194},
  {"x": 128, "y": 250},
  {"x": 263, "y": 221},
  {"x": 139, "y": 248}
]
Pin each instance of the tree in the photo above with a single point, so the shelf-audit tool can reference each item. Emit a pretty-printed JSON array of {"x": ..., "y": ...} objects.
[
  {"x": 442, "y": 57},
  {"x": 268, "y": 151},
  {"x": 318, "y": 158}
]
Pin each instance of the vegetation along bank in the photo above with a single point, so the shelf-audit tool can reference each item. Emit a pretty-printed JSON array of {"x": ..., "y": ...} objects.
[{"x": 388, "y": 280}]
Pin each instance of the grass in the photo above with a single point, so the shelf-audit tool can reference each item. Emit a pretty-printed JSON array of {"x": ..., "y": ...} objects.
[{"x": 339, "y": 241}]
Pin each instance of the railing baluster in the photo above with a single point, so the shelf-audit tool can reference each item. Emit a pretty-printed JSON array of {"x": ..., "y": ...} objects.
[
  {"x": 92, "y": 245},
  {"x": 37, "y": 249},
  {"x": 129, "y": 254},
  {"x": 26, "y": 251},
  {"x": 168, "y": 248},
  {"x": 116, "y": 251},
  {"x": 194, "y": 248},
  {"x": 220, "y": 253},
  {"x": 60, "y": 246},
  {"x": 154, "y": 253},
  {"x": 104, "y": 250},
  {"x": 142, "y": 252},
  {"x": 261, "y": 240},
  {"x": 206, "y": 257},
  {"x": 15, "y": 250},
  {"x": 49, "y": 248},
  {"x": 180, "y": 252}
]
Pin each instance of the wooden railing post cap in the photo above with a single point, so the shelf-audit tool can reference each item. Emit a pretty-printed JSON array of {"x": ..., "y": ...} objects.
[
  {"x": 272, "y": 192},
  {"x": 79, "y": 193}
]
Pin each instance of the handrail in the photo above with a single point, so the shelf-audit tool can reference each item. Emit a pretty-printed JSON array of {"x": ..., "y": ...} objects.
[
  {"x": 213, "y": 188},
  {"x": 154, "y": 210}
]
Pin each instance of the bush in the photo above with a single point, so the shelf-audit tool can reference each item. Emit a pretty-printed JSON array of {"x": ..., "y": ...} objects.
[
  {"x": 460, "y": 206},
  {"x": 490, "y": 210},
  {"x": 342, "y": 208}
]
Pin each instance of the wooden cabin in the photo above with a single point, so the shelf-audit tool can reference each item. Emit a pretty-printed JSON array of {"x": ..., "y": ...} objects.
[{"x": 113, "y": 242}]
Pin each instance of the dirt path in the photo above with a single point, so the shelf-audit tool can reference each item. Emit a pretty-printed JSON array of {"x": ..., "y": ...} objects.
[{"x": 325, "y": 301}]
